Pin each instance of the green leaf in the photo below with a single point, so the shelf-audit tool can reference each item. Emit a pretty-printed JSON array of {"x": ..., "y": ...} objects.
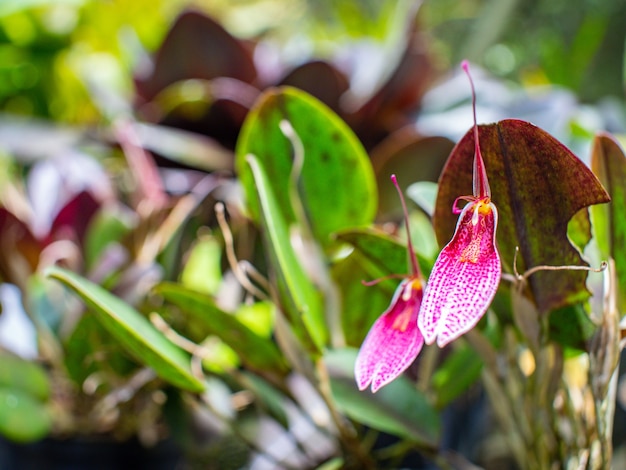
[
  {"x": 22, "y": 418},
  {"x": 336, "y": 185},
  {"x": 459, "y": 370},
  {"x": 256, "y": 351},
  {"x": 398, "y": 408},
  {"x": 538, "y": 185},
  {"x": 361, "y": 305},
  {"x": 133, "y": 331},
  {"x": 25, "y": 376},
  {"x": 202, "y": 272},
  {"x": 300, "y": 299},
  {"x": 107, "y": 226},
  {"x": 386, "y": 255},
  {"x": 571, "y": 326},
  {"x": 608, "y": 162}
]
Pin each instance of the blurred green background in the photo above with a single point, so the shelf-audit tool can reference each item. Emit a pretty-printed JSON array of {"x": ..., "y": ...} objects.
[{"x": 46, "y": 45}]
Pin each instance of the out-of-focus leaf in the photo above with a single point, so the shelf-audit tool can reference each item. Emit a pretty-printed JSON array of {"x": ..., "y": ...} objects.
[
  {"x": 256, "y": 351},
  {"x": 537, "y": 185},
  {"x": 20, "y": 248},
  {"x": 424, "y": 194},
  {"x": 259, "y": 317},
  {"x": 32, "y": 139},
  {"x": 319, "y": 79},
  {"x": 412, "y": 158},
  {"x": 202, "y": 272},
  {"x": 459, "y": 370},
  {"x": 22, "y": 418},
  {"x": 269, "y": 397},
  {"x": 609, "y": 222},
  {"x": 336, "y": 184},
  {"x": 300, "y": 299},
  {"x": 108, "y": 226},
  {"x": 197, "y": 47},
  {"x": 133, "y": 331},
  {"x": 73, "y": 218},
  {"x": 26, "y": 376},
  {"x": 184, "y": 147},
  {"x": 398, "y": 408},
  {"x": 393, "y": 104},
  {"x": 571, "y": 326},
  {"x": 91, "y": 349}
]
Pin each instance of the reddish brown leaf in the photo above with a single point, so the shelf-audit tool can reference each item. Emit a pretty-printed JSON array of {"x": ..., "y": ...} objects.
[
  {"x": 537, "y": 185},
  {"x": 319, "y": 79},
  {"x": 197, "y": 47}
]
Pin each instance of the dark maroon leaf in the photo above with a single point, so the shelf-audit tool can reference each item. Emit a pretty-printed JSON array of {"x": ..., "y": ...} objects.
[
  {"x": 72, "y": 220},
  {"x": 197, "y": 47},
  {"x": 20, "y": 249},
  {"x": 412, "y": 158},
  {"x": 391, "y": 107},
  {"x": 319, "y": 79},
  {"x": 537, "y": 185}
]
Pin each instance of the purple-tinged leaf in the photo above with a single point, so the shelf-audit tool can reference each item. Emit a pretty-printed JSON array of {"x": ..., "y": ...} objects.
[
  {"x": 538, "y": 185},
  {"x": 73, "y": 219},
  {"x": 197, "y": 47},
  {"x": 319, "y": 79}
]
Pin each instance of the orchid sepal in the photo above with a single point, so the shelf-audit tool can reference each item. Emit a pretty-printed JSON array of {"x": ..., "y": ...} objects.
[
  {"x": 394, "y": 340},
  {"x": 464, "y": 278}
]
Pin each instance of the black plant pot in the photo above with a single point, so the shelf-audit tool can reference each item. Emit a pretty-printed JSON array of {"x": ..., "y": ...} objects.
[{"x": 88, "y": 454}]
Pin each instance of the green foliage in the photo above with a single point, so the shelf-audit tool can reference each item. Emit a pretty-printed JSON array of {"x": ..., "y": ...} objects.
[
  {"x": 399, "y": 408},
  {"x": 331, "y": 169},
  {"x": 609, "y": 221},
  {"x": 133, "y": 331}
]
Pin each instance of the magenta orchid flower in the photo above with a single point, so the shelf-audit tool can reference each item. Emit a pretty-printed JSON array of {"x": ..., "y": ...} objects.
[
  {"x": 467, "y": 272},
  {"x": 394, "y": 341}
]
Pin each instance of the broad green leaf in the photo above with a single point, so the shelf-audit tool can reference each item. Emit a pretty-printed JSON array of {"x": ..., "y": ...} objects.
[
  {"x": 25, "y": 376},
  {"x": 608, "y": 162},
  {"x": 22, "y": 418},
  {"x": 458, "y": 371},
  {"x": 336, "y": 185},
  {"x": 376, "y": 255},
  {"x": 300, "y": 299},
  {"x": 387, "y": 255},
  {"x": 133, "y": 331},
  {"x": 538, "y": 185},
  {"x": 398, "y": 408},
  {"x": 361, "y": 305},
  {"x": 256, "y": 351}
]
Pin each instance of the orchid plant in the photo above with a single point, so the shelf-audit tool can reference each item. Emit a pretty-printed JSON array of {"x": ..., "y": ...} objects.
[{"x": 224, "y": 301}]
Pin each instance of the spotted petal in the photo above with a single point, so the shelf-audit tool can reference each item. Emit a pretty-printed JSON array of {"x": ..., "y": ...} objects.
[
  {"x": 393, "y": 342},
  {"x": 465, "y": 277}
]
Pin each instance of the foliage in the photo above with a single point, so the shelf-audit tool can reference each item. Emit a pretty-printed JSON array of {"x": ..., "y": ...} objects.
[{"x": 190, "y": 238}]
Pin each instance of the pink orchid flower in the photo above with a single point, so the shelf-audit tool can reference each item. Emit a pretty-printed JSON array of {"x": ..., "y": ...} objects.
[
  {"x": 394, "y": 341},
  {"x": 467, "y": 272}
]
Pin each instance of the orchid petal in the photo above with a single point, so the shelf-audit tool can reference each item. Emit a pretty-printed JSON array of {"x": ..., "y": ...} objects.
[
  {"x": 393, "y": 342},
  {"x": 465, "y": 277}
]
